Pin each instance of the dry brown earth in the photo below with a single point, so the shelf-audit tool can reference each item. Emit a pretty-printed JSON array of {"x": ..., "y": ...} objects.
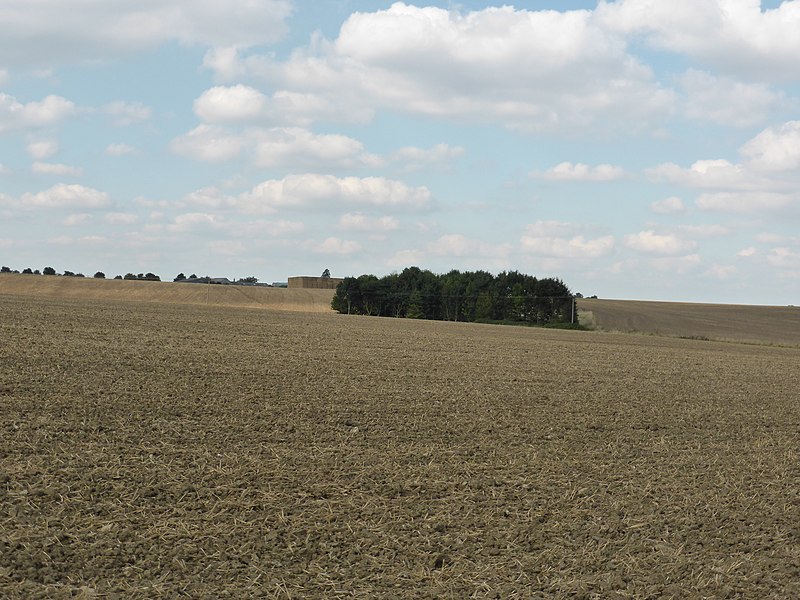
[
  {"x": 167, "y": 450},
  {"x": 722, "y": 322}
]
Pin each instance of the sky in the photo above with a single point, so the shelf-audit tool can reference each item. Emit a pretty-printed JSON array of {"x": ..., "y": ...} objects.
[{"x": 636, "y": 149}]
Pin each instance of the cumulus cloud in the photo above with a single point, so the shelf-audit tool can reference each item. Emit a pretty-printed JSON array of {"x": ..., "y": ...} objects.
[
  {"x": 99, "y": 31},
  {"x": 327, "y": 191},
  {"x": 529, "y": 70},
  {"x": 120, "y": 218},
  {"x": 42, "y": 168},
  {"x": 679, "y": 265},
  {"x": 119, "y": 149},
  {"x": 653, "y": 243},
  {"x": 727, "y": 101},
  {"x": 744, "y": 202},
  {"x": 360, "y": 222},
  {"x": 766, "y": 178},
  {"x": 458, "y": 245},
  {"x": 704, "y": 231},
  {"x": 747, "y": 252},
  {"x": 230, "y": 104},
  {"x": 209, "y": 143},
  {"x": 298, "y": 147},
  {"x": 274, "y": 147},
  {"x": 668, "y": 206},
  {"x": 334, "y": 245},
  {"x": 127, "y": 113},
  {"x": 14, "y": 115},
  {"x": 296, "y": 192},
  {"x": 42, "y": 149},
  {"x": 77, "y": 219},
  {"x": 415, "y": 158},
  {"x": 775, "y": 149},
  {"x": 784, "y": 258},
  {"x": 567, "y": 171},
  {"x": 733, "y": 35},
  {"x": 721, "y": 271},
  {"x": 557, "y": 239},
  {"x": 66, "y": 196}
]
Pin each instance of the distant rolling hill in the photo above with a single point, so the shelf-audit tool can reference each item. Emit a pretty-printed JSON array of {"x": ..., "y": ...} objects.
[
  {"x": 304, "y": 300},
  {"x": 778, "y": 325},
  {"x": 727, "y": 322}
]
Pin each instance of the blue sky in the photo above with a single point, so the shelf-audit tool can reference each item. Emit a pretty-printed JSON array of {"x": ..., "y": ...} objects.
[{"x": 638, "y": 149}]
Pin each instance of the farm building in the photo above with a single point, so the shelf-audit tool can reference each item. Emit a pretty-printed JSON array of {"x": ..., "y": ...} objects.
[{"x": 314, "y": 283}]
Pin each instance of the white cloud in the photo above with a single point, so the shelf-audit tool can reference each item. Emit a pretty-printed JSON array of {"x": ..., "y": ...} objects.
[
  {"x": 744, "y": 202},
  {"x": 276, "y": 147},
  {"x": 747, "y": 252},
  {"x": 42, "y": 168},
  {"x": 361, "y": 222},
  {"x": 194, "y": 221},
  {"x": 775, "y": 149},
  {"x": 298, "y": 147},
  {"x": 567, "y": 171},
  {"x": 99, "y": 31},
  {"x": 766, "y": 179},
  {"x": 64, "y": 196},
  {"x": 227, "y": 247},
  {"x": 77, "y": 219},
  {"x": 119, "y": 149},
  {"x": 419, "y": 158},
  {"x": 4, "y": 76},
  {"x": 721, "y": 271},
  {"x": 733, "y": 35},
  {"x": 679, "y": 265},
  {"x": 457, "y": 245},
  {"x": 120, "y": 218},
  {"x": 651, "y": 242},
  {"x": 704, "y": 231},
  {"x": 42, "y": 149},
  {"x": 716, "y": 173},
  {"x": 230, "y": 104},
  {"x": 209, "y": 143},
  {"x": 529, "y": 70},
  {"x": 15, "y": 115},
  {"x": 327, "y": 191},
  {"x": 784, "y": 258},
  {"x": 334, "y": 245},
  {"x": 726, "y": 101},
  {"x": 128, "y": 113},
  {"x": 556, "y": 239},
  {"x": 405, "y": 258},
  {"x": 668, "y": 206}
]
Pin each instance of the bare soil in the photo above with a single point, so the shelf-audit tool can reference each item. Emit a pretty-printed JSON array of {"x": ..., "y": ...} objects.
[
  {"x": 167, "y": 450},
  {"x": 721, "y": 322}
]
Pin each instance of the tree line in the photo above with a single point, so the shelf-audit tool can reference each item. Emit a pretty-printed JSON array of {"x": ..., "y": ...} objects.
[
  {"x": 471, "y": 296},
  {"x": 97, "y": 275}
]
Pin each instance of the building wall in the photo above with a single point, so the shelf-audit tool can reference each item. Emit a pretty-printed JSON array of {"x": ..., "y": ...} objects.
[{"x": 314, "y": 283}]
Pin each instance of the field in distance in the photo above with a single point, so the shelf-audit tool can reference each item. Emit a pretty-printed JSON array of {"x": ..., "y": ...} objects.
[
  {"x": 164, "y": 450},
  {"x": 722, "y": 322},
  {"x": 166, "y": 292},
  {"x": 778, "y": 325}
]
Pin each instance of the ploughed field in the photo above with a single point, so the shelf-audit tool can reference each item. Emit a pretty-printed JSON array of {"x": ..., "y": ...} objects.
[
  {"x": 723, "y": 322},
  {"x": 167, "y": 450}
]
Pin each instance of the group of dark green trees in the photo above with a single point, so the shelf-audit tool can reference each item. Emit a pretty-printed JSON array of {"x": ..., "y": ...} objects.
[{"x": 457, "y": 296}]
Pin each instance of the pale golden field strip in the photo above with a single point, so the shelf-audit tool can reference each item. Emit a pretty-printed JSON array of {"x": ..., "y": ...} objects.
[
  {"x": 722, "y": 322},
  {"x": 166, "y": 292},
  {"x": 174, "y": 450}
]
